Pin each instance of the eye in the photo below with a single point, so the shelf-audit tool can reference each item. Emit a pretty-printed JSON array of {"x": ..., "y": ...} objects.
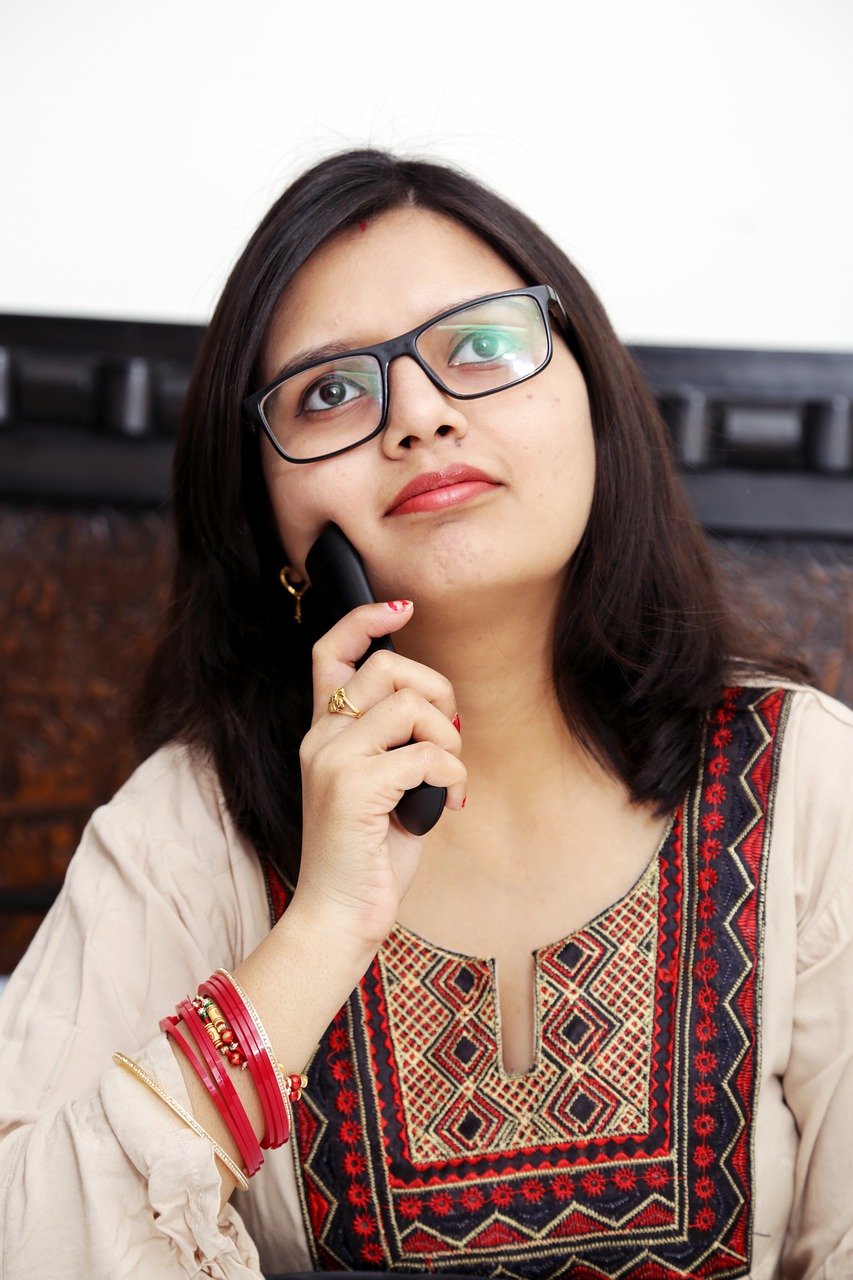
[
  {"x": 484, "y": 346},
  {"x": 334, "y": 390}
]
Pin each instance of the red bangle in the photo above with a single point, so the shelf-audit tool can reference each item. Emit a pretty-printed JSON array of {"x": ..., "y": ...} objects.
[
  {"x": 289, "y": 1088},
  {"x": 239, "y": 1123},
  {"x": 280, "y": 1087},
  {"x": 222, "y": 1035},
  {"x": 169, "y": 1025},
  {"x": 258, "y": 1060}
]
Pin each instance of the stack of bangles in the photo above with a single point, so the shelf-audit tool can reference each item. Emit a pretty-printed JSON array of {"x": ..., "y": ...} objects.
[{"x": 229, "y": 1034}]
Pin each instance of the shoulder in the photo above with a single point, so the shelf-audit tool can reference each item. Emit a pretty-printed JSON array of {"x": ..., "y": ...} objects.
[
  {"x": 816, "y": 769},
  {"x": 822, "y": 726},
  {"x": 815, "y": 725},
  {"x": 814, "y": 733},
  {"x": 177, "y": 786},
  {"x": 815, "y": 736},
  {"x": 169, "y": 817},
  {"x": 812, "y": 813}
]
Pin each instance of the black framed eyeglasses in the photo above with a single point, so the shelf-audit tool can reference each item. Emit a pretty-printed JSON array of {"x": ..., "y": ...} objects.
[{"x": 339, "y": 400}]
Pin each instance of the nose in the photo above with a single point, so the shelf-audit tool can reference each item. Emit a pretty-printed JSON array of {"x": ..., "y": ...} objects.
[{"x": 418, "y": 411}]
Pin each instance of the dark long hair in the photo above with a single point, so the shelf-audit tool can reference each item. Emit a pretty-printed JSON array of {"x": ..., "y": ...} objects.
[{"x": 644, "y": 636}]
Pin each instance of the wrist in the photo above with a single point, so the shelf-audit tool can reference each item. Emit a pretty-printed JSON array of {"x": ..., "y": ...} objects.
[
  {"x": 316, "y": 926},
  {"x": 298, "y": 978}
]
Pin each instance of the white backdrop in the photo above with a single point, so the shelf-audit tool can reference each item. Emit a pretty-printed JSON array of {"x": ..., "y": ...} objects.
[{"x": 695, "y": 157}]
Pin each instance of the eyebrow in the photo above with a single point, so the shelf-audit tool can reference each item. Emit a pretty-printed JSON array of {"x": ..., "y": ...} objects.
[{"x": 314, "y": 355}]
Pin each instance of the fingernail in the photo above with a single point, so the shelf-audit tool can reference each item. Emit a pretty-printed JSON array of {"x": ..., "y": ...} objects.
[
  {"x": 455, "y": 722},
  {"x": 399, "y": 605},
  {"x": 464, "y": 799}
]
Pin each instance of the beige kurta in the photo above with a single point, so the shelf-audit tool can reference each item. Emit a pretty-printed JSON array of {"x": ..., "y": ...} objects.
[{"x": 99, "y": 1179}]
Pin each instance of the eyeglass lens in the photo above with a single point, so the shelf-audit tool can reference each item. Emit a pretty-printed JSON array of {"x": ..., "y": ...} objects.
[{"x": 473, "y": 351}]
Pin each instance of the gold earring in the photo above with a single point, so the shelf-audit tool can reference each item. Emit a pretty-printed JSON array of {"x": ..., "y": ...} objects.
[{"x": 296, "y": 592}]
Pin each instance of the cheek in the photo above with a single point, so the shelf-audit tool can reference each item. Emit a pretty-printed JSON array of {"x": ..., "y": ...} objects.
[
  {"x": 582, "y": 447},
  {"x": 571, "y": 411},
  {"x": 574, "y": 412},
  {"x": 299, "y": 507},
  {"x": 566, "y": 472},
  {"x": 560, "y": 440},
  {"x": 305, "y": 499},
  {"x": 299, "y": 522}
]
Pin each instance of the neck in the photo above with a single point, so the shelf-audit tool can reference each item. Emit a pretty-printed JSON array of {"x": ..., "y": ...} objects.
[{"x": 516, "y": 745}]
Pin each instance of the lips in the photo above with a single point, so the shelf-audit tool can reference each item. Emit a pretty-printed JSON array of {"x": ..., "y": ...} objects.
[{"x": 430, "y": 480}]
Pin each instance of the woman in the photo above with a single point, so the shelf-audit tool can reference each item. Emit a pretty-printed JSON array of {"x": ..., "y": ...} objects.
[{"x": 663, "y": 1090}]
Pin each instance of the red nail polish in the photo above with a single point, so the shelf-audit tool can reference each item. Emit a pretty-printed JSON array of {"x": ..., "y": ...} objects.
[
  {"x": 399, "y": 605},
  {"x": 457, "y": 726},
  {"x": 464, "y": 800}
]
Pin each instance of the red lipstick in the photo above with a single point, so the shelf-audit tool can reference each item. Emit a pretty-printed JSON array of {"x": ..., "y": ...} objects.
[{"x": 437, "y": 489}]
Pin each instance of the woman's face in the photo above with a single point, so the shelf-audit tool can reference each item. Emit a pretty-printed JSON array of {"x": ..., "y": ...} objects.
[{"x": 533, "y": 440}]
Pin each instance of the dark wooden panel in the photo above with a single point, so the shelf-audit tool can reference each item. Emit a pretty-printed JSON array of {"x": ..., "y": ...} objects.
[
  {"x": 802, "y": 593},
  {"x": 80, "y": 594}
]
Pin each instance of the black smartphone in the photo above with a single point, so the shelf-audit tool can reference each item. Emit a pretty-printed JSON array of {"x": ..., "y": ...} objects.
[{"x": 336, "y": 572}]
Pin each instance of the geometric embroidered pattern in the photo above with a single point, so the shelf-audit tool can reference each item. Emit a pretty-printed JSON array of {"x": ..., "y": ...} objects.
[
  {"x": 626, "y": 1150},
  {"x": 595, "y": 1001}
]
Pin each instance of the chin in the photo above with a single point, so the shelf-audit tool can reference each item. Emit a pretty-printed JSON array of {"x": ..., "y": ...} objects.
[{"x": 459, "y": 592}]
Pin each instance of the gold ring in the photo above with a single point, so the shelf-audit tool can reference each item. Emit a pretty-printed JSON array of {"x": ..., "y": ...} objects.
[{"x": 339, "y": 702}]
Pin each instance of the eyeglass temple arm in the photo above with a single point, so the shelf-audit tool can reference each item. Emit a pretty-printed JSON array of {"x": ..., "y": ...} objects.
[
  {"x": 568, "y": 328},
  {"x": 557, "y": 304}
]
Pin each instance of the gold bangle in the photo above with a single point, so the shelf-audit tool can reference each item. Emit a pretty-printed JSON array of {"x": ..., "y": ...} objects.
[
  {"x": 276, "y": 1065},
  {"x": 135, "y": 1069}
]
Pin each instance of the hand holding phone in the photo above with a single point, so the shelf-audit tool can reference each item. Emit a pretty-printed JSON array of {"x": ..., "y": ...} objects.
[{"x": 336, "y": 571}]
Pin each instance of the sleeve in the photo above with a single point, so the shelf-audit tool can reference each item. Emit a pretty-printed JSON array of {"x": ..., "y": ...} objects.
[
  {"x": 98, "y": 1178},
  {"x": 818, "y": 1080}
]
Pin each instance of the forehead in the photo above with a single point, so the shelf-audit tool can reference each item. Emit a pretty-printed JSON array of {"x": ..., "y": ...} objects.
[{"x": 367, "y": 285}]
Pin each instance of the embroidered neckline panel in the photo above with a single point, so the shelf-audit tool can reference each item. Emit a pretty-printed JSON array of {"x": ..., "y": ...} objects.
[
  {"x": 627, "y": 1150},
  {"x": 595, "y": 1000}
]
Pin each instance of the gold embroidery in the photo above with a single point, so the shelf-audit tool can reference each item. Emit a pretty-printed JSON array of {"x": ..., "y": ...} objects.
[{"x": 596, "y": 1012}]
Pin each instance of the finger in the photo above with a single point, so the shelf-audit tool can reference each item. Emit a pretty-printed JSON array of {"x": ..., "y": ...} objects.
[
  {"x": 350, "y": 749},
  {"x": 385, "y": 674},
  {"x": 335, "y": 654},
  {"x": 405, "y": 715},
  {"x": 395, "y": 772}
]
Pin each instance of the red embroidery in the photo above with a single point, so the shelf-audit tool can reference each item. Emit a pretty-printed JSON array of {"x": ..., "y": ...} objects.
[
  {"x": 442, "y": 1204},
  {"x": 593, "y": 1184},
  {"x": 563, "y": 1187}
]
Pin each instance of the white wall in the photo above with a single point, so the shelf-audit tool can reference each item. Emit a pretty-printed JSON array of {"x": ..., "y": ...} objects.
[{"x": 694, "y": 156}]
